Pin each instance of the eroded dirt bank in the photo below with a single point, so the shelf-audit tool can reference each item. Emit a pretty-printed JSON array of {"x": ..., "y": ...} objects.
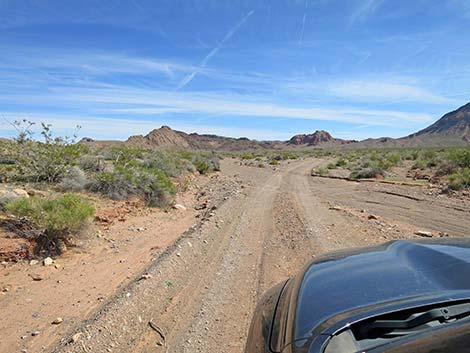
[{"x": 199, "y": 294}]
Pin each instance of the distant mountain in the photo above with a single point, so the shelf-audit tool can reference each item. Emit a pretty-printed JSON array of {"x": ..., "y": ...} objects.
[
  {"x": 452, "y": 129},
  {"x": 167, "y": 137},
  {"x": 319, "y": 137},
  {"x": 453, "y": 126}
]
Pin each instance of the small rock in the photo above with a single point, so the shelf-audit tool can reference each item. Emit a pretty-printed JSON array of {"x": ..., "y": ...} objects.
[
  {"x": 178, "y": 254},
  {"x": 57, "y": 321},
  {"x": 47, "y": 261},
  {"x": 423, "y": 233},
  {"x": 36, "y": 277},
  {"x": 179, "y": 207},
  {"x": 35, "y": 333},
  {"x": 33, "y": 262},
  {"x": 371, "y": 216},
  {"x": 146, "y": 276},
  {"x": 76, "y": 337}
]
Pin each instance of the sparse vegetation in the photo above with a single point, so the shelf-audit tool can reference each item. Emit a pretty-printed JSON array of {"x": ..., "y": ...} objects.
[
  {"x": 47, "y": 160},
  {"x": 447, "y": 163},
  {"x": 460, "y": 180},
  {"x": 57, "y": 218}
]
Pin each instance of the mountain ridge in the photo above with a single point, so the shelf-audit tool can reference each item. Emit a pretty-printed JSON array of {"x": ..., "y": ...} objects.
[{"x": 451, "y": 129}]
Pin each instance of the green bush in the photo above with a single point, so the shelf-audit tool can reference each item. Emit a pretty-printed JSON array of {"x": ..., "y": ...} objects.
[
  {"x": 56, "y": 218},
  {"x": 48, "y": 160},
  {"x": 367, "y": 173},
  {"x": 341, "y": 163},
  {"x": 321, "y": 171},
  {"x": 331, "y": 166},
  {"x": 274, "y": 162},
  {"x": 124, "y": 181},
  {"x": 206, "y": 163},
  {"x": 460, "y": 157},
  {"x": 460, "y": 180}
]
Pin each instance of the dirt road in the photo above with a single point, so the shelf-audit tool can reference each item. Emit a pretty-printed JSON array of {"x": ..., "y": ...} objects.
[{"x": 200, "y": 293}]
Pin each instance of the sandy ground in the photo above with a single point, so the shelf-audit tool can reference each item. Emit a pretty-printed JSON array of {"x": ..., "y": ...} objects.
[{"x": 200, "y": 289}]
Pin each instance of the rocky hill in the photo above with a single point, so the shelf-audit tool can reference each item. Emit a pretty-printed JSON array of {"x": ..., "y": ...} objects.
[
  {"x": 319, "y": 137},
  {"x": 453, "y": 127},
  {"x": 167, "y": 137}
]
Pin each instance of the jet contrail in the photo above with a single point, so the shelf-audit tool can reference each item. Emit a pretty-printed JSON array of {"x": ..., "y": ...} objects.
[
  {"x": 302, "y": 28},
  {"x": 214, "y": 51}
]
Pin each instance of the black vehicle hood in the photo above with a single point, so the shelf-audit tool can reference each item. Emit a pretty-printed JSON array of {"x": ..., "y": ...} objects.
[{"x": 346, "y": 284}]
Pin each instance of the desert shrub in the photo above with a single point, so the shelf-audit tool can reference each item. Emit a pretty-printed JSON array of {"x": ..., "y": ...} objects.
[
  {"x": 48, "y": 160},
  {"x": 206, "y": 163},
  {"x": 274, "y": 162},
  {"x": 331, "y": 166},
  {"x": 92, "y": 163},
  {"x": 460, "y": 180},
  {"x": 74, "y": 180},
  {"x": 320, "y": 171},
  {"x": 57, "y": 218},
  {"x": 460, "y": 157},
  {"x": 247, "y": 155},
  {"x": 341, "y": 163},
  {"x": 367, "y": 172},
  {"x": 127, "y": 180},
  {"x": 169, "y": 163}
]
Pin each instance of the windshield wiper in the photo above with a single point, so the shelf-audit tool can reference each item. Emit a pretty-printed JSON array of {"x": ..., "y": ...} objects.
[{"x": 443, "y": 314}]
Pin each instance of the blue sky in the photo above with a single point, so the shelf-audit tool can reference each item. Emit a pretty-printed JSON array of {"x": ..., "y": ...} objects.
[{"x": 264, "y": 69}]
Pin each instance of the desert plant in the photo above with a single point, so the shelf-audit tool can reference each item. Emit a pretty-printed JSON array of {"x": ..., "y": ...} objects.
[
  {"x": 74, "y": 180},
  {"x": 459, "y": 157},
  {"x": 460, "y": 180},
  {"x": 367, "y": 173},
  {"x": 57, "y": 218},
  {"x": 48, "y": 160},
  {"x": 92, "y": 163},
  {"x": 132, "y": 179},
  {"x": 321, "y": 171}
]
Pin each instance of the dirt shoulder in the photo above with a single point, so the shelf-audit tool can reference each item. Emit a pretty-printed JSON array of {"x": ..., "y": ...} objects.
[{"x": 124, "y": 240}]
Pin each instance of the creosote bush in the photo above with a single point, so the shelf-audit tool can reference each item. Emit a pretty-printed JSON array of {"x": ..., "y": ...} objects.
[
  {"x": 57, "y": 218},
  {"x": 460, "y": 180},
  {"x": 47, "y": 160}
]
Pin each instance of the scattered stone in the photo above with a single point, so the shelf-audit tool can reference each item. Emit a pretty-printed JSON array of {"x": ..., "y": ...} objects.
[
  {"x": 8, "y": 194},
  {"x": 47, "y": 261},
  {"x": 35, "y": 333},
  {"x": 443, "y": 235},
  {"x": 36, "y": 277},
  {"x": 179, "y": 207},
  {"x": 57, "y": 321},
  {"x": 76, "y": 337},
  {"x": 178, "y": 254},
  {"x": 336, "y": 208},
  {"x": 371, "y": 217},
  {"x": 423, "y": 233},
  {"x": 33, "y": 262},
  {"x": 146, "y": 276}
]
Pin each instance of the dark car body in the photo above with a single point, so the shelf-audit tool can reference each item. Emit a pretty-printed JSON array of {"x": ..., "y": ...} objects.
[{"x": 403, "y": 296}]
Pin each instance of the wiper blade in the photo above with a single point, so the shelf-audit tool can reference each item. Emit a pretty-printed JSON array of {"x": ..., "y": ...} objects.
[{"x": 438, "y": 314}]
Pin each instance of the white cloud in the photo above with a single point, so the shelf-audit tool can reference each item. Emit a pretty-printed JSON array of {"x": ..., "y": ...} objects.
[
  {"x": 385, "y": 91},
  {"x": 113, "y": 128},
  {"x": 365, "y": 9}
]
